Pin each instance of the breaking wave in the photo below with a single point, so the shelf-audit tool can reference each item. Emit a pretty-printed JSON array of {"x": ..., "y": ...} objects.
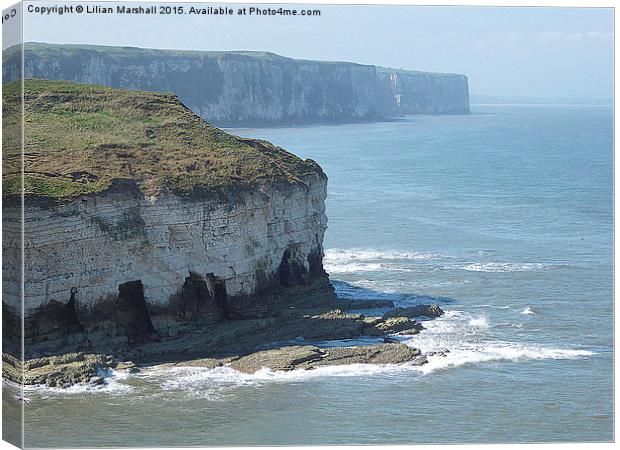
[
  {"x": 338, "y": 254},
  {"x": 218, "y": 383},
  {"x": 503, "y": 267},
  {"x": 349, "y": 261},
  {"x": 364, "y": 260},
  {"x": 467, "y": 342},
  {"x": 113, "y": 383},
  {"x": 456, "y": 339},
  {"x": 479, "y": 323},
  {"x": 354, "y": 267}
]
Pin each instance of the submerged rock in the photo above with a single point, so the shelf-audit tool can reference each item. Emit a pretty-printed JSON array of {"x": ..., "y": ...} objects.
[
  {"x": 58, "y": 371},
  {"x": 441, "y": 352},
  {"x": 370, "y": 304},
  {"x": 415, "y": 311},
  {"x": 96, "y": 380},
  {"x": 125, "y": 365},
  {"x": 399, "y": 325}
]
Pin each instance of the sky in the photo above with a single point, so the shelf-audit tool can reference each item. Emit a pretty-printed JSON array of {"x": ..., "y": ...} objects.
[{"x": 537, "y": 52}]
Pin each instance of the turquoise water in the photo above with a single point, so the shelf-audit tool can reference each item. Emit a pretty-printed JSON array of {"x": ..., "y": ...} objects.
[{"x": 503, "y": 217}]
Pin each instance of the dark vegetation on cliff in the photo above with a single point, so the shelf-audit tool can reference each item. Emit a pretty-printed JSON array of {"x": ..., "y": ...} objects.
[{"x": 80, "y": 138}]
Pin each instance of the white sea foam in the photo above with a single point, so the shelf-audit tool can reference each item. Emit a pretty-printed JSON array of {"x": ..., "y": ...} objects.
[
  {"x": 496, "y": 353},
  {"x": 113, "y": 384},
  {"x": 479, "y": 322},
  {"x": 528, "y": 311},
  {"x": 469, "y": 344},
  {"x": 353, "y": 267},
  {"x": 216, "y": 384},
  {"x": 338, "y": 254},
  {"x": 503, "y": 267},
  {"x": 339, "y": 261},
  {"x": 466, "y": 337},
  {"x": 485, "y": 306},
  {"x": 456, "y": 339}
]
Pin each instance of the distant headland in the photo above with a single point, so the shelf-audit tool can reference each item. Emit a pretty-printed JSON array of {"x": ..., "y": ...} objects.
[{"x": 233, "y": 89}]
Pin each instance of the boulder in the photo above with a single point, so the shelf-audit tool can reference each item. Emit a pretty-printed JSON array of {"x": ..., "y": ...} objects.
[
  {"x": 399, "y": 325},
  {"x": 310, "y": 357},
  {"x": 392, "y": 353},
  {"x": 96, "y": 380},
  {"x": 278, "y": 359}
]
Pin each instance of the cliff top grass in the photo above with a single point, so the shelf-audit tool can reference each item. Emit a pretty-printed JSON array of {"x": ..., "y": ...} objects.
[
  {"x": 121, "y": 54},
  {"x": 79, "y": 138}
]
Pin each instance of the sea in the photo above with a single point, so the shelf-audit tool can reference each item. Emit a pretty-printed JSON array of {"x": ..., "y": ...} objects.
[{"x": 503, "y": 217}]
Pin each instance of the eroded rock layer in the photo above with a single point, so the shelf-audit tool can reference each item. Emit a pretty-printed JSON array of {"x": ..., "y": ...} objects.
[{"x": 118, "y": 264}]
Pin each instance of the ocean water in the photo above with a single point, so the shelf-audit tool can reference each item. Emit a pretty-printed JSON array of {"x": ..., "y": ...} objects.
[{"x": 503, "y": 217}]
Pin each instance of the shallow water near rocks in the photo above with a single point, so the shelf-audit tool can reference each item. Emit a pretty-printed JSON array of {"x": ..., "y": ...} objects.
[{"x": 502, "y": 217}]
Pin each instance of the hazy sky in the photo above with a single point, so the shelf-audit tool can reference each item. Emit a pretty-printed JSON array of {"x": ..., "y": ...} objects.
[{"x": 550, "y": 52}]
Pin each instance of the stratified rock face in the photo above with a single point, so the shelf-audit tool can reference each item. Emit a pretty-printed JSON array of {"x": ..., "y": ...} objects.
[
  {"x": 252, "y": 88},
  {"x": 146, "y": 255},
  {"x": 119, "y": 264}
]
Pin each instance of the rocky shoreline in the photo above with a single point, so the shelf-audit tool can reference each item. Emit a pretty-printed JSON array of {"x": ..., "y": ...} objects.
[
  {"x": 277, "y": 343},
  {"x": 161, "y": 239}
]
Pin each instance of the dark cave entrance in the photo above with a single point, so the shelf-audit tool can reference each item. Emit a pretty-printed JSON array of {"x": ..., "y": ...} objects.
[
  {"x": 68, "y": 316},
  {"x": 219, "y": 294},
  {"x": 132, "y": 312},
  {"x": 203, "y": 299},
  {"x": 291, "y": 271},
  {"x": 194, "y": 297},
  {"x": 315, "y": 263},
  {"x": 54, "y": 320}
]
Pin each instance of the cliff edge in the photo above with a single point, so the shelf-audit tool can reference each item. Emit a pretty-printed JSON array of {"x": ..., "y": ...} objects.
[{"x": 142, "y": 221}]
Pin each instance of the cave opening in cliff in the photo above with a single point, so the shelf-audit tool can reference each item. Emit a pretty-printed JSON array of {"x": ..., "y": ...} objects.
[
  {"x": 219, "y": 294},
  {"x": 315, "y": 263},
  {"x": 54, "y": 320},
  {"x": 12, "y": 337},
  {"x": 132, "y": 313},
  {"x": 291, "y": 271},
  {"x": 203, "y": 299},
  {"x": 69, "y": 315}
]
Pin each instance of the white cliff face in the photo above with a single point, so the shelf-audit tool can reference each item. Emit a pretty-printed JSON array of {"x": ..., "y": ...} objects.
[
  {"x": 239, "y": 89},
  {"x": 288, "y": 91},
  {"x": 80, "y": 255}
]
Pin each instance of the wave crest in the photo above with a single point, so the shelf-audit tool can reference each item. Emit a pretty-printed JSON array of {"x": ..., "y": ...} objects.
[
  {"x": 339, "y": 254},
  {"x": 504, "y": 267}
]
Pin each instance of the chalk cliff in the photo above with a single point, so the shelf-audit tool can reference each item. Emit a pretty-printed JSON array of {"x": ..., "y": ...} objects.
[
  {"x": 142, "y": 220},
  {"x": 250, "y": 88}
]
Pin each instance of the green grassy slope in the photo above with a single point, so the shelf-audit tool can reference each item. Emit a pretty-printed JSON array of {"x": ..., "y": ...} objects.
[{"x": 79, "y": 138}]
